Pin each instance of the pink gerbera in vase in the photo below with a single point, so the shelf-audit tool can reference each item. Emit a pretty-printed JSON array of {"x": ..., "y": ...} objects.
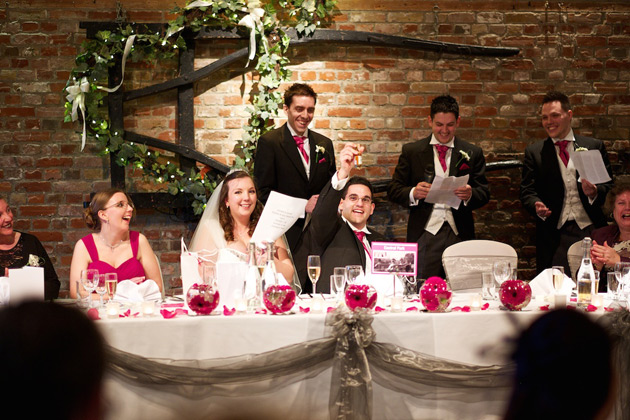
[
  {"x": 202, "y": 299},
  {"x": 360, "y": 296},
  {"x": 436, "y": 294},
  {"x": 515, "y": 294},
  {"x": 279, "y": 298}
]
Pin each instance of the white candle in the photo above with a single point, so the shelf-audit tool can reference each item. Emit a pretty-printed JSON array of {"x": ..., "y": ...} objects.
[
  {"x": 598, "y": 300},
  {"x": 112, "y": 309},
  {"x": 475, "y": 302},
  {"x": 317, "y": 305},
  {"x": 397, "y": 304},
  {"x": 241, "y": 305},
  {"x": 148, "y": 308},
  {"x": 559, "y": 301}
]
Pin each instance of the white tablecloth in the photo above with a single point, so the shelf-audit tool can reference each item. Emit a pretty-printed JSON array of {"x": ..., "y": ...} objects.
[{"x": 480, "y": 337}]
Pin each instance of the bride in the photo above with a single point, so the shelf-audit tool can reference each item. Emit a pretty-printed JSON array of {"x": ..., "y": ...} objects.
[{"x": 228, "y": 223}]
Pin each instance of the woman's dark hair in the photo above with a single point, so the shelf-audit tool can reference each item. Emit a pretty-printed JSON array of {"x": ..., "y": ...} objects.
[
  {"x": 98, "y": 203},
  {"x": 561, "y": 351},
  {"x": 225, "y": 217},
  {"x": 619, "y": 188}
]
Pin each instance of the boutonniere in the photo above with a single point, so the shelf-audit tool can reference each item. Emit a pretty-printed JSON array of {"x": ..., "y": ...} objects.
[
  {"x": 320, "y": 150},
  {"x": 581, "y": 149},
  {"x": 35, "y": 261},
  {"x": 464, "y": 156}
]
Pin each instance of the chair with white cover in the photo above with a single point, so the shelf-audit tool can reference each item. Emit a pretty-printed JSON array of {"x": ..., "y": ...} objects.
[
  {"x": 574, "y": 256},
  {"x": 465, "y": 261}
]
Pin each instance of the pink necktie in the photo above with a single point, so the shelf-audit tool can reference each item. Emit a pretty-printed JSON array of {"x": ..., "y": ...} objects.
[
  {"x": 299, "y": 141},
  {"x": 361, "y": 236},
  {"x": 441, "y": 149},
  {"x": 564, "y": 155}
]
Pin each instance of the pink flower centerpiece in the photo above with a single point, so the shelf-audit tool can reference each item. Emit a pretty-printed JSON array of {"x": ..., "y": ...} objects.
[
  {"x": 202, "y": 299},
  {"x": 279, "y": 298},
  {"x": 436, "y": 294},
  {"x": 361, "y": 296},
  {"x": 515, "y": 294}
]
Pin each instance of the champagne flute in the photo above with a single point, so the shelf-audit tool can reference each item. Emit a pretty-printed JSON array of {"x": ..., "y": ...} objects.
[
  {"x": 314, "y": 267},
  {"x": 557, "y": 276},
  {"x": 111, "y": 281},
  {"x": 502, "y": 271},
  {"x": 101, "y": 287},
  {"x": 89, "y": 279}
]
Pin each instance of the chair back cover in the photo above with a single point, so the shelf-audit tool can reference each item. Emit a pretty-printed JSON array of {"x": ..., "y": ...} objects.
[
  {"x": 465, "y": 261},
  {"x": 574, "y": 255}
]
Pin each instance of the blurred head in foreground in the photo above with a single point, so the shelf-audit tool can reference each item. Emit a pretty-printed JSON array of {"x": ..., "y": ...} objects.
[
  {"x": 563, "y": 369},
  {"x": 52, "y": 363}
]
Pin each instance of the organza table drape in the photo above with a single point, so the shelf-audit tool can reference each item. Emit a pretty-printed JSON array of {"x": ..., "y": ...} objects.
[{"x": 348, "y": 372}]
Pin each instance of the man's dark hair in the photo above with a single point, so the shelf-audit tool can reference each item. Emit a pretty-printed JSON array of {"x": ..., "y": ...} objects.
[
  {"x": 360, "y": 181},
  {"x": 554, "y": 96},
  {"x": 445, "y": 104},
  {"x": 298, "y": 89}
]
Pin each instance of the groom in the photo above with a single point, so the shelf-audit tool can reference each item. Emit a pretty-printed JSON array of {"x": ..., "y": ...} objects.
[{"x": 292, "y": 159}]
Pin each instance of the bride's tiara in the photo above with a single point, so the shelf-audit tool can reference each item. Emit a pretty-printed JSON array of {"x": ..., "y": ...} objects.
[{"x": 233, "y": 170}]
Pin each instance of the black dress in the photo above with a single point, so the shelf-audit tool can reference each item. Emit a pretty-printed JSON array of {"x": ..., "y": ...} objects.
[{"x": 18, "y": 256}]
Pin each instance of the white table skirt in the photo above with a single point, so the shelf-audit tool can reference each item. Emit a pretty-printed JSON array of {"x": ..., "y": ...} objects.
[{"x": 457, "y": 336}]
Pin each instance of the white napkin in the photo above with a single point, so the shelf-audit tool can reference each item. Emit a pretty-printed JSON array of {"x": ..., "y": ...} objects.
[
  {"x": 543, "y": 284},
  {"x": 128, "y": 291},
  {"x": 5, "y": 291}
]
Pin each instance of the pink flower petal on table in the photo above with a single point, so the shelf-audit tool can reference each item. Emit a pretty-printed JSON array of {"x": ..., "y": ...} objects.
[
  {"x": 304, "y": 310},
  {"x": 378, "y": 309},
  {"x": 544, "y": 308},
  {"x": 591, "y": 308},
  {"x": 573, "y": 299},
  {"x": 466, "y": 308},
  {"x": 166, "y": 314},
  {"x": 261, "y": 311},
  {"x": 125, "y": 314},
  {"x": 456, "y": 308},
  {"x": 416, "y": 300},
  {"x": 227, "y": 311},
  {"x": 485, "y": 306},
  {"x": 172, "y": 305},
  {"x": 411, "y": 308},
  {"x": 608, "y": 309},
  {"x": 92, "y": 313},
  {"x": 330, "y": 309}
]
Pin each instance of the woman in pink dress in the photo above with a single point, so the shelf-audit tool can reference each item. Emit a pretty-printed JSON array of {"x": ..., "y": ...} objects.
[{"x": 113, "y": 248}]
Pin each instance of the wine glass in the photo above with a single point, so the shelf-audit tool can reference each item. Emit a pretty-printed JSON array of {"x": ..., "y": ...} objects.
[
  {"x": 314, "y": 267},
  {"x": 111, "y": 281},
  {"x": 101, "y": 287},
  {"x": 89, "y": 279},
  {"x": 621, "y": 274},
  {"x": 354, "y": 273},
  {"x": 502, "y": 270},
  {"x": 557, "y": 277}
]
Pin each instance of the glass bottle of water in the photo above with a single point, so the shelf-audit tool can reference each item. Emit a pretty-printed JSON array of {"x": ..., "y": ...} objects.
[
  {"x": 586, "y": 275},
  {"x": 252, "y": 289},
  {"x": 270, "y": 275}
]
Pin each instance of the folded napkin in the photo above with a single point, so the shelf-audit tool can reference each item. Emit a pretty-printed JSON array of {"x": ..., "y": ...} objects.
[
  {"x": 542, "y": 285},
  {"x": 4, "y": 291},
  {"x": 128, "y": 291}
]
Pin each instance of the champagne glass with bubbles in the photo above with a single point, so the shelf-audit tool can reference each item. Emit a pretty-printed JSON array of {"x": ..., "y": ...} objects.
[
  {"x": 557, "y": 276},
  {"x": 314, "y": 267}
]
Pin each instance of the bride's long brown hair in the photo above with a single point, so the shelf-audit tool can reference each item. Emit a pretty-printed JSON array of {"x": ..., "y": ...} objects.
[{"x": 225, "y": 217}]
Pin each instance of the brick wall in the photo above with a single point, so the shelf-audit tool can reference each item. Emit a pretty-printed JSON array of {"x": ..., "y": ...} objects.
[{"x": 374, "y": 96}]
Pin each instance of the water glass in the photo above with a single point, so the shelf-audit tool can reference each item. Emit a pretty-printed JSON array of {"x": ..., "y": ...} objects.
[
  {"x": 502, "y": 271},
  {"x": 612, "y": 284},
  {"x": 89, "y": 280},
  {"x": 488, "y": 288},
  {"x": 354, "y": 274},
  {"x": 101, "y": 288},
  {"x": 337, "y": 283}
]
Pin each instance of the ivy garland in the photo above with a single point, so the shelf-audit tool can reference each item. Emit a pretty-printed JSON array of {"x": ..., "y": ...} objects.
[{"x": 264, "y": 26}]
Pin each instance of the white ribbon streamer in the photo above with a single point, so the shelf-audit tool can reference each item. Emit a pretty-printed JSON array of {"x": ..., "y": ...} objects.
[
  {"x": 76, "y": 95},
  {"x": 128, "y": 46},
  {"x": 253, "y": 22}
]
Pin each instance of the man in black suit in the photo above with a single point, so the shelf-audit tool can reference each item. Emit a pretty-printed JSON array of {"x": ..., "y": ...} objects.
[
  {"x": 565, "y": 211},
  {"x": 337, "y": 231},
  {"x": 292, "y": 159},
  {"x": 437, "y": 226}
]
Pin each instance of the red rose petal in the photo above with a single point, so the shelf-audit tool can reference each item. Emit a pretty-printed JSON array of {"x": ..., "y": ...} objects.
[
  {"x": 544, "y": 308},
  {"x": 485, "y": 306},
  {"x": 411, "y": 308},
  {"x": 379, "y": 309},
  {"x": 608, "y": 309},
  {"x": 166, "y": 314},
  {"x": 330, "y": 309},
  {"x": 591, "y": 308},
  {"x": 304, "y": 310},
  {"x": 92, "y": 313},
  {"x": 227, "y": 311},
  {"x": 261, "y": 311}
]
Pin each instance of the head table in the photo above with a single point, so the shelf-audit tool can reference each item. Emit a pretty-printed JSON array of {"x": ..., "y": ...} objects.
[{"x": 455, "y": 339}]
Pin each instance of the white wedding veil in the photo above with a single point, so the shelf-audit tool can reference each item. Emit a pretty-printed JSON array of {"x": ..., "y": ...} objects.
[{"x": 209, "y": 234}]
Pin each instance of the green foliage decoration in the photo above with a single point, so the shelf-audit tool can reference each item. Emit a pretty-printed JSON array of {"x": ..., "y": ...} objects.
[{"x": 268, "y": 20}]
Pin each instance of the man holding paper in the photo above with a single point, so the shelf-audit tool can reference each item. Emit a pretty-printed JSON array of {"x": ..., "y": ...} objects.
[
  {"x": 566, "y": 208},
  {"x": 435, "y": 225},
  {"x": 338, "y": 230}
]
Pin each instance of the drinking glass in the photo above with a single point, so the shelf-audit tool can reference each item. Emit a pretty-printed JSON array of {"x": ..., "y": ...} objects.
[
  {"x": 488, "y": 288},
  {"x": 111, "y": 282},
  {"x": 502, "y": 271},
  {"x": 354, "y": 274},
  {"x": 595, "y": 284},
  {"x": 209, "y": 274},
  {"x": 337, "y": 284},
  {"x": 101, "y": 287},
  {"x": 314, "y": 267},
  {"x": 612, "y": 284},
  {"x": 621, "y": 274},
  {"x": 557, "y": 277},
  {"x": 89, "y": 279}
]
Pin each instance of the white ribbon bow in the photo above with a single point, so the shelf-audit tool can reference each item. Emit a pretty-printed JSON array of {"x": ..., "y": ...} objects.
[
  {"x": 253, "y": 21},
  {"x": 76, "y": 95}
]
